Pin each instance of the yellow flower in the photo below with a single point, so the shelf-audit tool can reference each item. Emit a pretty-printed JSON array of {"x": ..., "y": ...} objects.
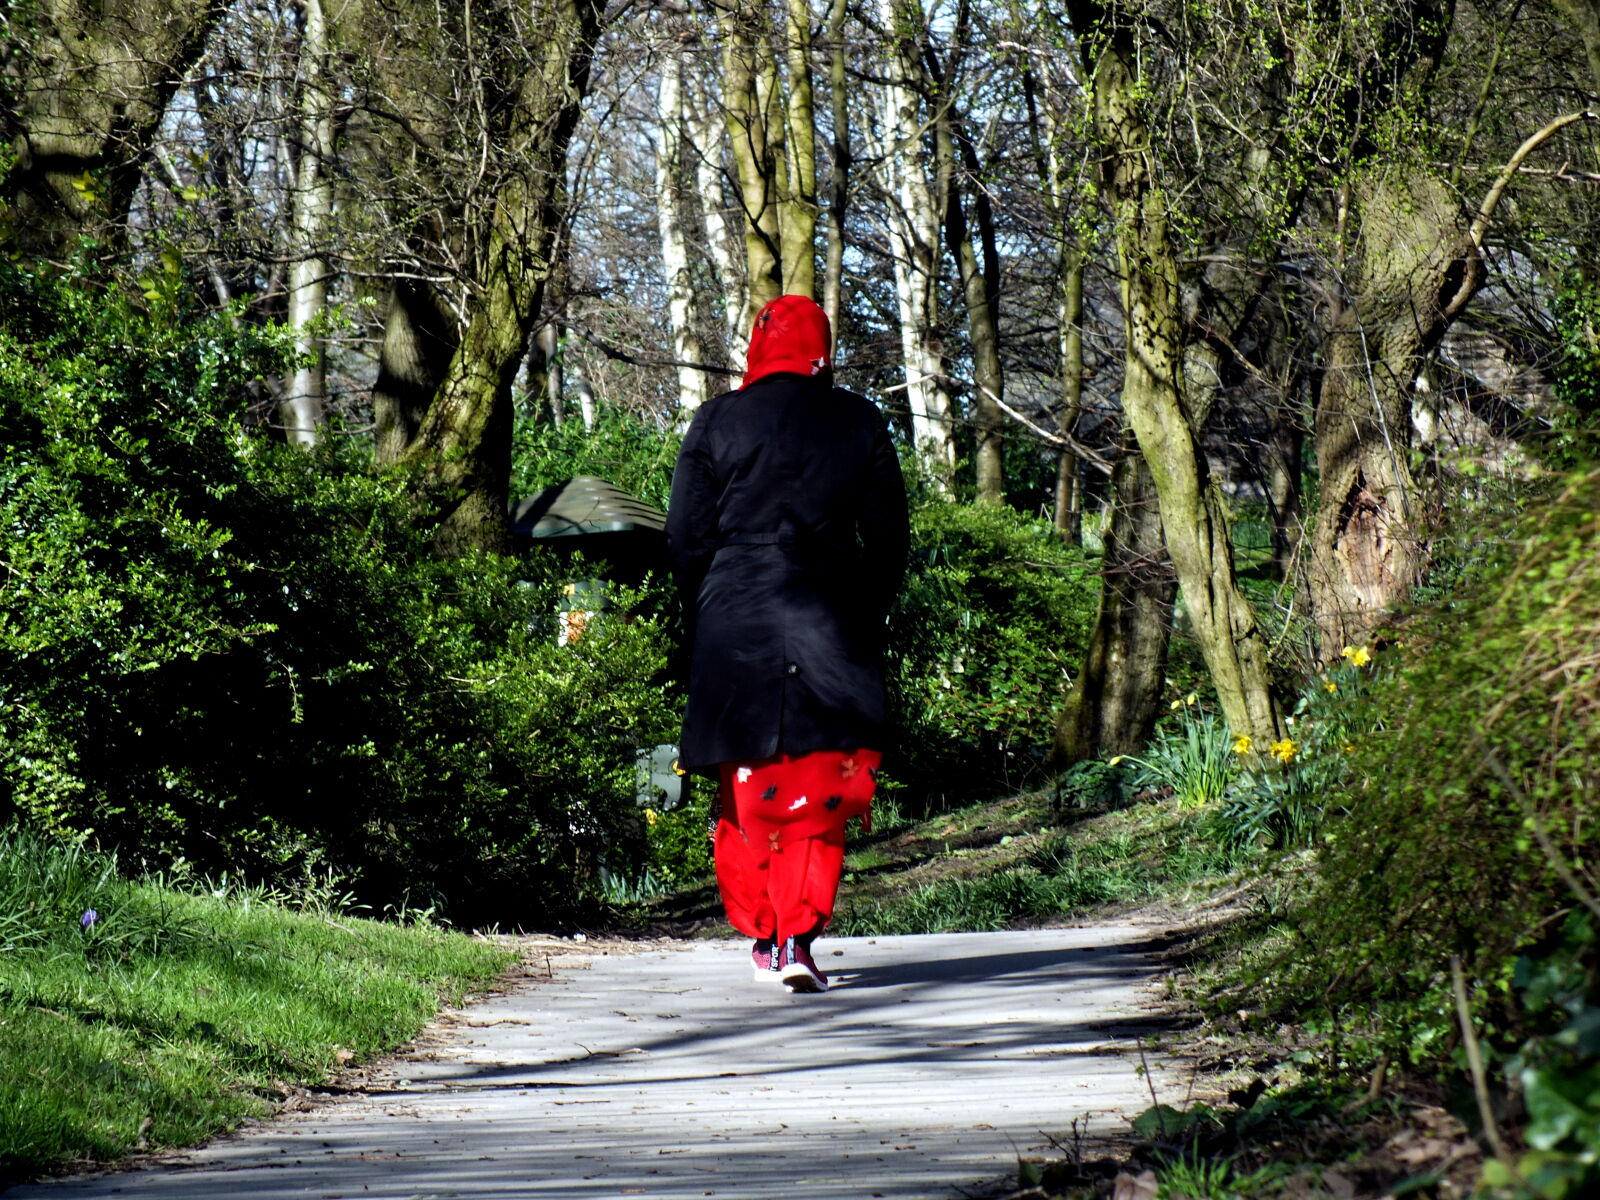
[
  {"x": 1242, "y": 744},
  {"x": 1330, "y": 686},
  {"x": 1111, "y": 762},
  {"x": 1175, "y": 706},
  {"x": 1348, "y": 748},
  {"x": 1190, "y": 698},
  {"x": 650, "y": 815},
  {"x": 1283, "y": 751},
  {"x": 1358, "y": 655}
]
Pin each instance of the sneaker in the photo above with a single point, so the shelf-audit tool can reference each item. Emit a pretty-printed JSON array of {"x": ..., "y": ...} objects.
[
  {"x": 798, "y": 969},
  {"x": 764, "y": 957}
]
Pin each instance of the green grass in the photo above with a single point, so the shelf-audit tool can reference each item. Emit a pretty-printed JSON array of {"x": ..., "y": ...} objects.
[{"x": 177, "y": 1014}]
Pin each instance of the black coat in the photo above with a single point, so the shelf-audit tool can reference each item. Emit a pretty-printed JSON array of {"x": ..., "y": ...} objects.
[{"x": 788, "y": 534}]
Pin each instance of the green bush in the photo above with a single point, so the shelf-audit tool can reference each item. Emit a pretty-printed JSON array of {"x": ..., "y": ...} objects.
[
  {"x": 632, "y": 452},
  {"x": 1469, "y": 841},
  {"x": 222, "y": 650},
  {"x": 1473, "y": 799},
  {"x": 992, "y": 622}
]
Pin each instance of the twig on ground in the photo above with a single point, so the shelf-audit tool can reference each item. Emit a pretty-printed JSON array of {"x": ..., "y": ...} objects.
[{"x": 1480, "y": 1086}]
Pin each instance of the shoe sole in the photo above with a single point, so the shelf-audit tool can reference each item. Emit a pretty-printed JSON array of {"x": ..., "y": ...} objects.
[
  {"x": 764, "y": 975},
  {"x": 797, "y": 979}
]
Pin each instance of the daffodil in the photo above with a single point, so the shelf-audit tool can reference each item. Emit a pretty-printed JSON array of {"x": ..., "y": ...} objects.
[
  {"x": 1330, "y": 687},
  {"x": 1242, "y": 744},
  {"x": 1283, "y": 751},
  {"x": 1190, "y": 698},
  {"x": 1175, "y": 706},
  {"x": 1111, "y": 762},
  {"x": 650, "y": 815},
  {"x": 1358, "y": 655}
]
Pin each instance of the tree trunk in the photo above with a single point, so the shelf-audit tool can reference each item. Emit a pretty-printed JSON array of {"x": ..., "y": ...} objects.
[
  {"x": 1069, "y": 486},
  {"x": 1044, "y": 135},
  {"x": 1368, "y": 548},
  {"x": 706, "y": 129},
  {"x": 1585, "y": 18},
  {"x": 839, "y": 176},
  {"x": 547, "y": 344},
  {"x": 1117, "y": 695},
  {"x": 671, "y": 204},
  {"x": 94, "y": 84},
  {"x": 420, "y": 337},
  {"x": 1193, "y": 512},
  {"x": 755, "y": 131},
  {"x": 797, "y": 213},
  {"x": 914, "y": 239},
  {"x": 979, "y": 288},
  {"x": 305, "y": 398},
  {"x": 1285, "y": 451},
  {"x": 464, "y": 438}
]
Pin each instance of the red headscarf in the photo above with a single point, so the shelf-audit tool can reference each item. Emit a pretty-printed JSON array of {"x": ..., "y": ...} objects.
[{"x": 791, "y": 334}]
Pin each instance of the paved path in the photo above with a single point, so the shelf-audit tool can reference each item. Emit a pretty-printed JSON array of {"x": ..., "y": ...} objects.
[{"x": 662, "y": 1070}]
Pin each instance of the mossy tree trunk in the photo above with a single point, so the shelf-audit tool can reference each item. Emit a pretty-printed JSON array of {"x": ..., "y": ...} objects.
[
  {"x": 755, "y": 131},
  {"x": 1193, "y": 512},
  {"x": 1117, "y": 696},
  {"x": 90, "y": 86},
  {"x": 771, "y": 128},
  {"x": 1368, "y": 540},
  {"x": 463, "y": 441},
  {"x": 797, "y": 208}
]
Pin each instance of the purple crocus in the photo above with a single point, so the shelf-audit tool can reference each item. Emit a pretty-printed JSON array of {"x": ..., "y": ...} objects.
[{"x": 89, "y": 918}]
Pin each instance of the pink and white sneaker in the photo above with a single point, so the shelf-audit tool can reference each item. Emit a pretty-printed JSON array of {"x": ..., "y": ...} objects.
[
  {"x": 799, "y": 970},
  {"x": 764, "y": 958}
]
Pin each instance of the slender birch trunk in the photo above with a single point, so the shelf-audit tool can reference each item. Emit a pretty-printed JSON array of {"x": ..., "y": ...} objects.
[
  {"x": 914, "y": 239},
  {"x": 706, "y": 128},
  {"x": 671, "y": 204},
  {"x": 839, "y": 178},
  {"x": 305, "y": 398},
  {"x": 1069, "y": 487},
  {"x": 1072, "y": 248}
]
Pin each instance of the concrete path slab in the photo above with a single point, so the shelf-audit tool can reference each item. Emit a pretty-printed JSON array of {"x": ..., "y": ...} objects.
[{"x": 661, "y": 1069}]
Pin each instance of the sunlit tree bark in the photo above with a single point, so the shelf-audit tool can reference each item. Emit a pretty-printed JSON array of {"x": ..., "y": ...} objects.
[
  {"x": 311, "y": 204},
  {"x": 755, "y": 124},
  {"x": 839, "y": 178},
  {"x": 913, "y": 221},
  {"x": 672, "y": 204}
]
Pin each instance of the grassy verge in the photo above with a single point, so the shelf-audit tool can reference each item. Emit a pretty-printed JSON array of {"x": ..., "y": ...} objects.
[{"x": 135, "y": 1015}]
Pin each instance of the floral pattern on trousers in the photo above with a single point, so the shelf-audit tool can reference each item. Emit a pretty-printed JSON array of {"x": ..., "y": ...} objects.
[{"x": 779, "y": 846}]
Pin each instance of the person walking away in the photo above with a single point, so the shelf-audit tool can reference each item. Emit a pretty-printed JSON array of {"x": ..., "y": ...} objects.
[{"x": 788, "y": 534}]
